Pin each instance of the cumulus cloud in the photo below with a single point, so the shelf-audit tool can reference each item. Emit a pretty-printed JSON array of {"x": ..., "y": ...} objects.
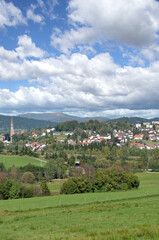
[
  {"x": 10, "y": 15},
  {"x": 27, "y": 48},
  {"x": 133, "y": 23},
  {"x": 78, "y": 83}
]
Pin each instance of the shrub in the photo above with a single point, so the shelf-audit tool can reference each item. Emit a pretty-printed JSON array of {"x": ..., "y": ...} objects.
[
  {"x": 14, "y": 191},
  {"x": 3, "y": 176},
  {"x": 10, "y": 189},
  {"x": 26, "y": 192},
  {"x": 28, "y": 177},
  {"x": 36, "y": 191},
  {"x": 108, "y": 180},
  {"x": 124, "y": 186},
  {"x": 30, "y": 191},
  {"x": 44, "y": 188},
  {"x": 69, "y": 187},
  {"x": 77, "y": 185}
]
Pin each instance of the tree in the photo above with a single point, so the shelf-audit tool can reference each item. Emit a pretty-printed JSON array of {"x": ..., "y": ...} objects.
[
  {"x": 14, "y": 173},
  {"x": 10, "y": 189},
  {"x": 154, "y": 161},
  {"x": 1, "y": 146},
  {"x": 44, "y": 188},
  {"x": 28, "y": 177},
  {"x": 102, "y": 162}
]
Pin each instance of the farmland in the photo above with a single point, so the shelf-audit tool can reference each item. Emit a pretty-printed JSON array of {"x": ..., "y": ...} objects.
[
  {"x": 115, "y": 215},
  {"x": 19, "y": 161}
]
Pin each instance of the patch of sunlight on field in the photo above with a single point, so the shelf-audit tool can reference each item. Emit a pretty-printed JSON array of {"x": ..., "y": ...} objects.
[{"x": 19, "y": 161}]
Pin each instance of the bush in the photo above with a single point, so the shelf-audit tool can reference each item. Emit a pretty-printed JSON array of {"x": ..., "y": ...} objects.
[
  {"x": 69, "y": 187},
  {"x": 77, "y": 185},
  {"x": 28, "y": 177},
  {"x": 26, "y": 192},
  {"x": 44, "y": 188},
  {"x": 3, "y": 176},
  {"x": 36, "y": 191},
  {"x": 108, "y": 180},
  {"x": 115, "y": 179},
  {"x": 10, "y": 189}
]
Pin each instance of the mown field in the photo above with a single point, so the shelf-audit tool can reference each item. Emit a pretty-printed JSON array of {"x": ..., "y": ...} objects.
[
  {"x": 19, "y": 161},
  {"x": 115, "y": 215}
]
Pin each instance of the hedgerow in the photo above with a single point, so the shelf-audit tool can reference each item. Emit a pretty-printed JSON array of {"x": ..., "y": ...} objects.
[{"x": 109, "y": 180}]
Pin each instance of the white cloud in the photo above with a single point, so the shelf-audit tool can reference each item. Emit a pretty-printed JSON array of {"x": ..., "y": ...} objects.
[
  {"x": 11, "y": 56},
  {"x": 78, "y": 83},
  {"x": 68, "y": 40},
  {"x": 133, "y": 23},
  {"x": 10, "y": 15},
  {"x": 27, "y": 48},
  {"x": 37, "y": 18}
]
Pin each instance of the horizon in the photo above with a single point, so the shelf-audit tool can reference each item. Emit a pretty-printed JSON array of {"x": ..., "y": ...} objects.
[{"x": 40, "y": 113}]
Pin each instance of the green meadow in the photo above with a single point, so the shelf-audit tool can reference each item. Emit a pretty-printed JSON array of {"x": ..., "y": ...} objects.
[
  {"x": 19, "y": 161},
  {"x": 128, "y": 215}
]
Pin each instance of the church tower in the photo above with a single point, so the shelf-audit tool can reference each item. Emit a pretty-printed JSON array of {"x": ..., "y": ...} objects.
[{"x": 11, "y": 129}]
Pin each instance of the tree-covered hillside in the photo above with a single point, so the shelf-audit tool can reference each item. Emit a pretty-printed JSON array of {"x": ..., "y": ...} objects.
[{"x": 22, "y": 123}]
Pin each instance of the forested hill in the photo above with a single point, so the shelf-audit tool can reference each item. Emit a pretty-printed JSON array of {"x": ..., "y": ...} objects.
[
  {"x": 133, "y": 120},
  {"x": 22, "y": 123},
  {"x": 95, "y": 125}
]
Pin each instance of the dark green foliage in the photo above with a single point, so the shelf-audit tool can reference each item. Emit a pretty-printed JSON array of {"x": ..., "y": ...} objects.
[
  {"x": 36, "y": 170},
  {"x": 30, "y": 191},
  {"x": 77, "y": 185},
  {"x": 115, "y": 179},
  {"x": 1, "y": 146},
  {"x": 2, "y": 167},
  {"x": 26, "y": 192},
  {"x": 44, "y": 188},
  {"x": 54, "y": 169},
  {"x": 154, "y": 161},
  {"x": 69, "y": 187},
  {"x": 10, "y": 189},
  {"x": 108, "y": 180}
]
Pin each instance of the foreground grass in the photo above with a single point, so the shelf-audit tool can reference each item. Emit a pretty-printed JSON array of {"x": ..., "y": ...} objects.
[
  {"x": 19, "y": 161},
  {"x": 115, "y": 215}
]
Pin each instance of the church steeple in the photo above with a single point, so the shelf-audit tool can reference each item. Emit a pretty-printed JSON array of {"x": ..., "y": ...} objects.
[{"x": 11, "y": 129}]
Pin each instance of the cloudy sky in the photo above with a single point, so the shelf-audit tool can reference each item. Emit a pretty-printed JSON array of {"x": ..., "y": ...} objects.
[{"x": 81, "y": 57}]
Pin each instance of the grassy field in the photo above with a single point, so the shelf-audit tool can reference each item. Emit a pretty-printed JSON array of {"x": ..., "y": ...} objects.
[
  {"x": 115, "y": 215},
  {"x": 19, "y": 161}
]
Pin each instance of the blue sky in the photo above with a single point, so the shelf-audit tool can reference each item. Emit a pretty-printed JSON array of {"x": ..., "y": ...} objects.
[{"x": 86, "y": 58}]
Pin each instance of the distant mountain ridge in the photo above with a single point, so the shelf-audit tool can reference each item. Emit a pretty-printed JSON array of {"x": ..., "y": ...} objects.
[{"x": 61, "y": 117}]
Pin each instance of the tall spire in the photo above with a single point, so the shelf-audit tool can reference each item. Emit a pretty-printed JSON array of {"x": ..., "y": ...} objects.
[{"x": 11, "y": 129}]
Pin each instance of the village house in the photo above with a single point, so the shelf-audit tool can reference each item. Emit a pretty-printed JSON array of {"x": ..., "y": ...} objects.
[
  {"x": 138, "y": 145},
  {"x": 138, "y": 137},
  {"x": 150, "y": 146}
]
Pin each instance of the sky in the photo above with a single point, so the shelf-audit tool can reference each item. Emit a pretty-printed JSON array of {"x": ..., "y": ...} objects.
[{"x": 83, "y": 58}]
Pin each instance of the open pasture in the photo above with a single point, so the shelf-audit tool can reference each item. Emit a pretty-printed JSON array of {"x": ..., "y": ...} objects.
[
  {"x": 130, "y": 215},
  {"x": 19, "y": 161}
]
